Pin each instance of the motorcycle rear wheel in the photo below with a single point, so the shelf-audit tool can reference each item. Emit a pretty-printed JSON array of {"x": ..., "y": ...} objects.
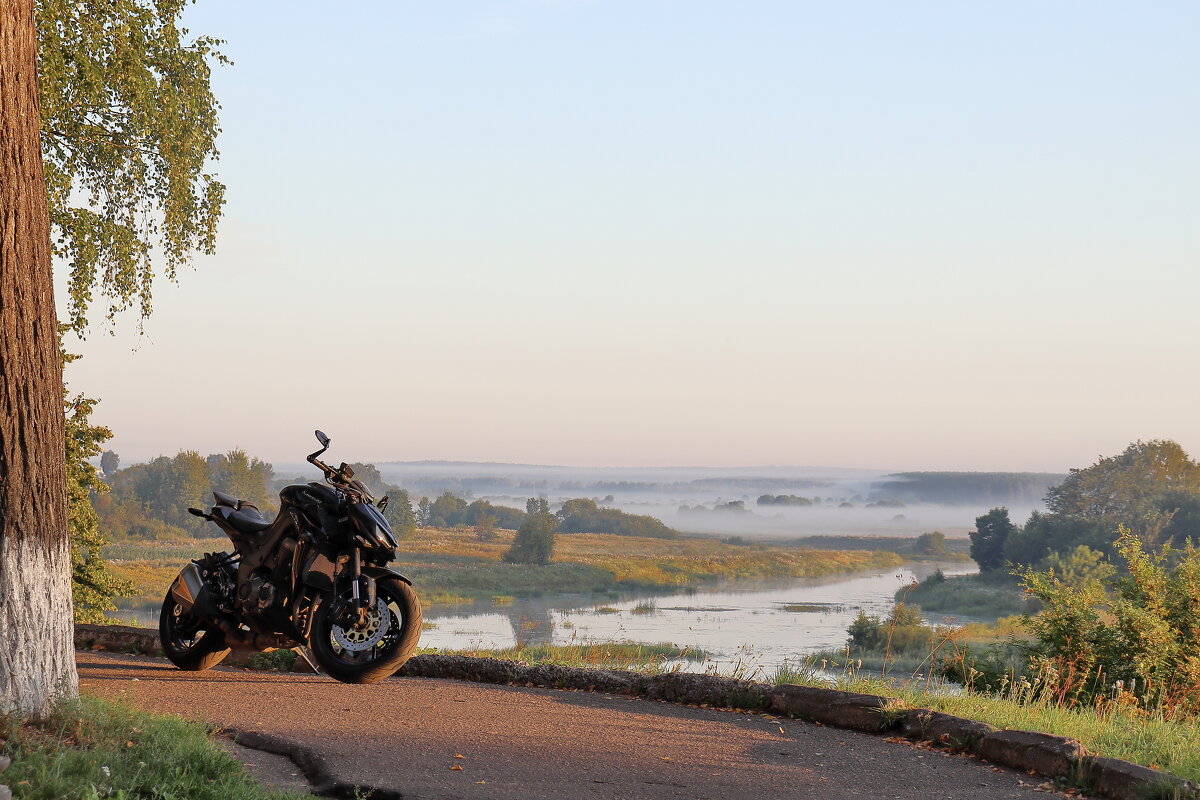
[
  {"x": 187, "y": 644},
  {"x": 377, "y": 660}
]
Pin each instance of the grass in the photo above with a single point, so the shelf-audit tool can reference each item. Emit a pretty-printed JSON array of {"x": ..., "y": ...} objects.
[
  {"x": 636, "y": 656},
  {"x": 1145, "y": 738},
  {"x": 914, "y": 655},
  {"x": 452, "y": 567},
  {"x": 92, "y": 748},
  {"x": 454, "y": 560},
  {"x": 985, "y": 596}
]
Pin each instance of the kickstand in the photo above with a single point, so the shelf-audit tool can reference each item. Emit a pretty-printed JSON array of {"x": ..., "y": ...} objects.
[{"x": 303, "y": 652}]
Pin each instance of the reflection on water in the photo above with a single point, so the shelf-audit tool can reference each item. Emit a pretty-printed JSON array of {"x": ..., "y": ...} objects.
[
  {"x": 765, "y": 625},
  {"x": 761, "y": 624}
]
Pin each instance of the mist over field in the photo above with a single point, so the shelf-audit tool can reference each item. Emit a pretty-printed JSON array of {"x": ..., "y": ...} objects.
[{"x": 767, "y": 502}]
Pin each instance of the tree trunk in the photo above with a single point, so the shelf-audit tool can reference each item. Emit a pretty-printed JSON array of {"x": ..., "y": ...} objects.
[{"x": 37, "y": 663}]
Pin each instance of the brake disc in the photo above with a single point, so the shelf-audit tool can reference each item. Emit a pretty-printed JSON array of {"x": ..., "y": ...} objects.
[{"x": 367, "y": 634}]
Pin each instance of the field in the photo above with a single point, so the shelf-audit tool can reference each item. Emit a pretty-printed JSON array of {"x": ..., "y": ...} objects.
[{"x": 453, "y": 566}]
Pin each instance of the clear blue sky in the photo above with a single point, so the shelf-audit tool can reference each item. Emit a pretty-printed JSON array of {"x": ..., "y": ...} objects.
[{"x": 898, "y": 235}]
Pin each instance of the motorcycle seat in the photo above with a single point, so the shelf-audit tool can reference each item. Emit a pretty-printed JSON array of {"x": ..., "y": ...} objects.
[{"x": 247, "y": 519}]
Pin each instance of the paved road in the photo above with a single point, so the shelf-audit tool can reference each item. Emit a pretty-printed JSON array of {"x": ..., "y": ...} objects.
[{"x": 405, "y": 735}]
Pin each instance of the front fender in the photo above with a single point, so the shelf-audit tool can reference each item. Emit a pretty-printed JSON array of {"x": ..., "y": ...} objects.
[{"x": 384, "y": 572}]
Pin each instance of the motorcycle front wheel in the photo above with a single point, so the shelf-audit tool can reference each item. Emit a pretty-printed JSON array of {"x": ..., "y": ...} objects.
[
  {"x": 186, "y": 642},
  {"x": 372, "y": 650}
]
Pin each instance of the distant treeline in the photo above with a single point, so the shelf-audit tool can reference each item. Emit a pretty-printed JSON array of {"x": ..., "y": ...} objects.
[
  {"x": 954, "y": 488},
  {"x": 580, "y": 515},
  {"x": 785, "y": 500},
  {"x": 150, "y": 501},
  {"x": 507, "y": 484}
]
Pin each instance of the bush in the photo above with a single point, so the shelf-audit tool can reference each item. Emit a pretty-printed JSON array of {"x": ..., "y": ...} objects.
[
  {"x": 534, "y": 542},
  {"x": 1137, "y": 635}
]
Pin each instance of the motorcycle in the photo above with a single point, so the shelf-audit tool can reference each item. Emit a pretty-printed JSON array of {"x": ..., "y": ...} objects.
[{"x": 315, "y": 579}]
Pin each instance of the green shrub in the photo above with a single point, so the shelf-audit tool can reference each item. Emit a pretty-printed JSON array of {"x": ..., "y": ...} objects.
[{"x": 1137, "y": 635}]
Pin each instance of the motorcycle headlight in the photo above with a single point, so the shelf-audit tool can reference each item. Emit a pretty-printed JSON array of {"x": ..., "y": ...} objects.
[{"x": 376, "y": 537}]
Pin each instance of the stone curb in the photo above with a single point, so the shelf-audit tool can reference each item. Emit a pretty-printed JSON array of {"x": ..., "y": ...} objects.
[
  {"x": 1055, "y": 757},
  {"x": 861, "y": 712},
  {"x": 137, "y": 641}
]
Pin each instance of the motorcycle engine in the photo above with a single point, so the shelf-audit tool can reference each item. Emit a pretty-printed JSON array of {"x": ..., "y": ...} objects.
[
  {"x": 257, "y": 594},
  {"x": 219, "y": 571}
]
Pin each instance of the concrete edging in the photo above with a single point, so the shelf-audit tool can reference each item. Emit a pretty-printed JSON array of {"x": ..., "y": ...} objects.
[{"x": 1054, "y": 757}]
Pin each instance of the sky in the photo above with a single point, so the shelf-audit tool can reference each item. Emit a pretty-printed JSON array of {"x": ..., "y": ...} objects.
[{"x": 918, "y": 235}]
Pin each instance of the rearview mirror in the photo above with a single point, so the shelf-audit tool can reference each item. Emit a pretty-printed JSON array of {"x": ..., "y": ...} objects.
[{"x": 322, "y": 438}]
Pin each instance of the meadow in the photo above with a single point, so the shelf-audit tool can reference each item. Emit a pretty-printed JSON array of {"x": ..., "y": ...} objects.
[{"x": 450, "y": 566}]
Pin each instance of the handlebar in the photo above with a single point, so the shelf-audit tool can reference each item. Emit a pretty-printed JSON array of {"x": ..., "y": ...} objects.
[{"x": 337, "y": 477}]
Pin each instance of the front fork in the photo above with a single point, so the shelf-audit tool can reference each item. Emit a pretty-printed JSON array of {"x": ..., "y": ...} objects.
[{"x": 362, "y": 590}]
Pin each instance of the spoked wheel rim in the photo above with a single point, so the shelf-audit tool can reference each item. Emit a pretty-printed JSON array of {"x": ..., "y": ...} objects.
[{"x": 373, "y": 639}]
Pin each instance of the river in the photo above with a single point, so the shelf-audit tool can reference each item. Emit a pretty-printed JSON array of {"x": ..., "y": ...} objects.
[{"x": 741, "y": 628}]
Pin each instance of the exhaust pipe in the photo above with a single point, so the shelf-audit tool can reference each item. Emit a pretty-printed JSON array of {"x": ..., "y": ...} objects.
[{"x": 188, "y": 586}]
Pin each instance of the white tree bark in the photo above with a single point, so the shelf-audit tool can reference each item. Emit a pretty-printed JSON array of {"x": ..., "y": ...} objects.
[{"x": 37, "y": 654}]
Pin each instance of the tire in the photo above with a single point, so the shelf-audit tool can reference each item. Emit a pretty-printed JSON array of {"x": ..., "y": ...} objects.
[
  {"x": 378, "y": 661},
  {"x": 185, "y": 643}
]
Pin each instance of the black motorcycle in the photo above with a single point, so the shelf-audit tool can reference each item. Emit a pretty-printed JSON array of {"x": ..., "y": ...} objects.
[{"x": 315, "y": 579}]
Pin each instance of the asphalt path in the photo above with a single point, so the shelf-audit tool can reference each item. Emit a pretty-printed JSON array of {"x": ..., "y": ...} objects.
[{"x": 433, "y": 739}]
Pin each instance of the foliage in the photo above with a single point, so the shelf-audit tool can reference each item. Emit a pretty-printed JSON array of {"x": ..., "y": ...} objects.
[
  {"x": 1126, "y": 486},
  {"x": 399, "y": 513},
  {"x": 449, "y": 511},
  {"x": 243, "y": 476},
  {"x": 369, "y": 476},
  {"x": 110, "y": 462},
  {"x": 976, "y": 488},
  {"x": 1151, "y": 487},
  {"x": 485, "y": 528},
  {"x": 129, "y": 125},
  {"x": 1140, "y": 632},
  {"x": 904, "y": 630},
  {"x": 94, "y": 748},
  {"x": 534, "y": 542},
  {"x": 584, "y": 516},
  {"x": 783, "y": 500},
  {"x": 93, "y": 585},
  {"x": 931, "y": 544},
  {"x": 446, "y": 511},
  {"x": 992, "y": 530},
  {"x": 1080, "y": 567},
  {"x": 151, "y": 500},
  {"x": 988, "y": 595}
]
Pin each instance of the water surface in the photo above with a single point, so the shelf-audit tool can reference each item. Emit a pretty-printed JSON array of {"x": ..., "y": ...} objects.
[{"x": 762, "y": 626}]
